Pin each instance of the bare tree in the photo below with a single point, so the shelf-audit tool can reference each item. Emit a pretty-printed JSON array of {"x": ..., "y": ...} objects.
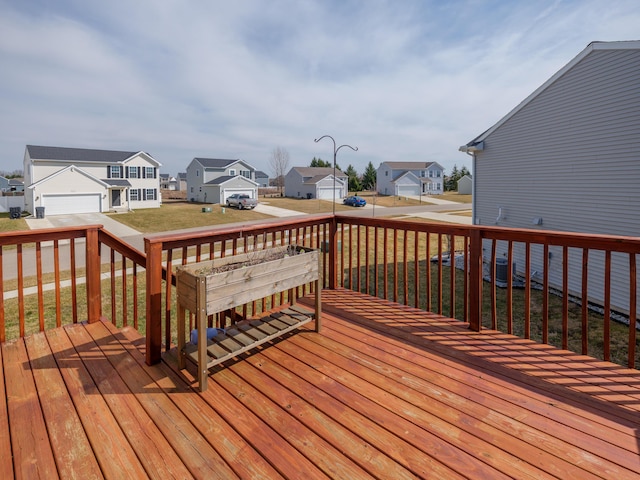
[{"x": 279, "y": 162}]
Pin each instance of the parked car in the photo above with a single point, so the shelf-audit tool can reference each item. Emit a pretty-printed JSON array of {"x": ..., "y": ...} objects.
[
  {"x": 241, "y": 200},
  {"x": 355, "y": 201}
]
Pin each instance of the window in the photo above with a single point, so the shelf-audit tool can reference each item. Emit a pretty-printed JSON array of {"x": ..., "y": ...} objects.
[
  {"x": 115, "y": 171},
  {"x": 191, "y": 189},
  {"x": 197, "y": 173},
  {"x": 438, "y": 186},
  {"x": 423, "y": 173},
  {"x": 134, "y": 194},
  {"x": 232, "y": 172},
  {"x": 438, "y": 173},
  {"x": 133, "y": 172},
  {"x": 150, "y": 194},
  {"x": 386, "y": 173},
  {"x": 246, "y": 173},
  {"x": 150, "y": 172},
  {"x": 431, "y": 173}
]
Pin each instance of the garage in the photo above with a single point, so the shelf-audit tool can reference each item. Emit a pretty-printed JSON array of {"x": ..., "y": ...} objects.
[
  {"x": 227, "y": 192},
  {"x": 404, "y": 190},
  {"x": 71, "y": 203},
  {"x": 328, "y": 193}
]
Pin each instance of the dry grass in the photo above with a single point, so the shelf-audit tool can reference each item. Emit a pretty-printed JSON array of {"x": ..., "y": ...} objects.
[{"x": 182, "y": 215}]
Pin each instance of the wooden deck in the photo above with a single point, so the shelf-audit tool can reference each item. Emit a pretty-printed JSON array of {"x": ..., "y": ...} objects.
[{"x": 384, "y": 391}]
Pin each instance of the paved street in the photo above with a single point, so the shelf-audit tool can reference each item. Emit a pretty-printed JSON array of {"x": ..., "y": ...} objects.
[{"x": 136, "y": 239}]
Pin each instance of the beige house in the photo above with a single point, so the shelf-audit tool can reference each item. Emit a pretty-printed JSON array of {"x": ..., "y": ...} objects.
[{"x": 78, "y": 180}]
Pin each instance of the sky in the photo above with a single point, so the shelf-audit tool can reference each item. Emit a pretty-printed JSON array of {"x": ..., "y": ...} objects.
[{"x": 401, "y": 80}]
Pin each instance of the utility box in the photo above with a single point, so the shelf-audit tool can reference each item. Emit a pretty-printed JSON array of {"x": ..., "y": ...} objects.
[{"x": 39, "y": 212}]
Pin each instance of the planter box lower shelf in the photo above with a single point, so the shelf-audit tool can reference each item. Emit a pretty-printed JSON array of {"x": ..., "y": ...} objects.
[{"x": 245, "y": 336}]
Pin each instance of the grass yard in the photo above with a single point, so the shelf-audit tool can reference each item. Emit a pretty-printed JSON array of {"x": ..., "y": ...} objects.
[
  {"x": 181, "y": 215},
  {"x": 12, "y": 225},
  {"x": 303, "y": 205}
]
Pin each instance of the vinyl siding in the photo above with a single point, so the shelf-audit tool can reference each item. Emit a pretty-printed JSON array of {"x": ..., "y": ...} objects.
[{"x": 572, "y": 157}]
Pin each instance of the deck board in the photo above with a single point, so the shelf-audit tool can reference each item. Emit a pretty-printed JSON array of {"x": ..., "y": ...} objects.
[{"x": 384, "y": 391}]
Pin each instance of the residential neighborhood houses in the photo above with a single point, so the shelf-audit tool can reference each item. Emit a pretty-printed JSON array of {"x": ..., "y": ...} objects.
[
  {"x": 566, "y": 159},
  {"x": 65, "y": 180}
]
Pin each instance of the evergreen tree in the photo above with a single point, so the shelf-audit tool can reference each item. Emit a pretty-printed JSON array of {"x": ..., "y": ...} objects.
[
  {"x": 354, "y": 181},
  {"x": 369, "y": 178},
  {"x": 318, "y": 162}
]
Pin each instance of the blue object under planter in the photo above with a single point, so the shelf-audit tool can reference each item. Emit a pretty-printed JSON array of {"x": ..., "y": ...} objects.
[{"x": 211, "y": 333}]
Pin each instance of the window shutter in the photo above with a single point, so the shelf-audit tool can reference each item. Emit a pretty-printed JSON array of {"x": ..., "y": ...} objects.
[
  {"x": 155, "y": 194},
  {"x": 144, "y": 194},
  {"x": 138, "y": 172},
  {"x": 155, "y": 173},
  {"x": 121, "y": 171},
  {"x": 126, "y": 172},
  {"x": 108, "y": 171},
  {"x": 144, "y": 172}
]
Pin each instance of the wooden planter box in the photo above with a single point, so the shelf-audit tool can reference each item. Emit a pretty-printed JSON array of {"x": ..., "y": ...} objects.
[{"x": 204, "y": 290}]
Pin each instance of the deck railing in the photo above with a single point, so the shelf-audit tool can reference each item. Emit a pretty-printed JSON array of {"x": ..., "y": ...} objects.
[{"x": 450, "y": 270}]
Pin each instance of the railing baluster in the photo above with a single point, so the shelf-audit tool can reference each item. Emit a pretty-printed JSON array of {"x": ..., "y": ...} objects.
[
  {"x": 135, "y": 295},
  {"x": 565, "y": 298},
  {"x": 427, "y": 278},
  {"x": 585, "y": 301},
  {"x": 509, "y": 305},
  {"x": 56, "y": 273},
  {"x": 416, "y": 269},
  {"x": 358, "y": 258},
  {"x": 632, "y": 310},
  {"x": 439, "y": 286},
  {"x": 376, "y": 232},
  {"x": 405, "y": 270},
  {"x": 367, "y": 262},
  {"x": 452, "y": 278},
  {"x": 74, "y": 287},
  {"x": 20, "y": 272},
  {"x": 39, "y": 280},
  {"x": 527, "y": 292},
  {"x": 545, "y": 295},
  {"x": 112, "y": 278},
  {"x": 385, "y": 268},
  {"x": 125, "y": 303},
  {"x": 607, "y": 306},
  {"x": 395, "y": 264},
  {"x": 493, "y": 290}
]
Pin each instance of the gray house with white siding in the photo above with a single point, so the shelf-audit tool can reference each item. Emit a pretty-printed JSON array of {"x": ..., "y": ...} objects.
[
  {"x": 567, "y": 158},
  {"x": 410, "y": 178},
  {"x": 213, "y": 180}
]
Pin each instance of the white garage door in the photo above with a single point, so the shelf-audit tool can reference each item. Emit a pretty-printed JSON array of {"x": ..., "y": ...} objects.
[
  {"x": 230, "y": 191},
  {"x": 408, "y": 190},
  {"x": 327, "y": 193},
  {"x": 67, "y": 204}
]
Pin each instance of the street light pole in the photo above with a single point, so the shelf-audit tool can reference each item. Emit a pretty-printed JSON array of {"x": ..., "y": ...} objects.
[{"x": 335, "y": 154}]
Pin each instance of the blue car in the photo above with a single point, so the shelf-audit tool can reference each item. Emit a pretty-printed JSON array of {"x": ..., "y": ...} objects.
[{"x": 355, "y": 201}]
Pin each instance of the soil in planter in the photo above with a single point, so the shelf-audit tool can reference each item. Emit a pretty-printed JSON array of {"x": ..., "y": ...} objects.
[{"x": 261, "y": 256}]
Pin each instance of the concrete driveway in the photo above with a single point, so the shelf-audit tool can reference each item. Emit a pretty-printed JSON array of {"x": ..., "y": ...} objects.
[{"x": 54, "y": 221}]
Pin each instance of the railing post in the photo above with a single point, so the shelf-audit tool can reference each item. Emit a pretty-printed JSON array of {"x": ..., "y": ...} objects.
[
  {"x": 475, "y": 280},
  {"x": 333, "y": 252},
  {"x": 92, "y": 263},
  {"x": 154, "y": 301}
]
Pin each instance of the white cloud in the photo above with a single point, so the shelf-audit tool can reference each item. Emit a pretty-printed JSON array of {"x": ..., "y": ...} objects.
[{"x": 410, "y": 80}]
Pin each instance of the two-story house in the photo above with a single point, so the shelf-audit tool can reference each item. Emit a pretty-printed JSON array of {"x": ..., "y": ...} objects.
[
  {"x": 316, "y": 182},
  {"x": 80, "y": 180},
  {"x": 167, "y": 182},
  {"x": 410, "y": 178},
  {"x": 212, "y": 180}
]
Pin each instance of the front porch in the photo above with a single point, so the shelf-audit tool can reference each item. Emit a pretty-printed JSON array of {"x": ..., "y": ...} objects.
[{"x": 383, "y": 391}]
